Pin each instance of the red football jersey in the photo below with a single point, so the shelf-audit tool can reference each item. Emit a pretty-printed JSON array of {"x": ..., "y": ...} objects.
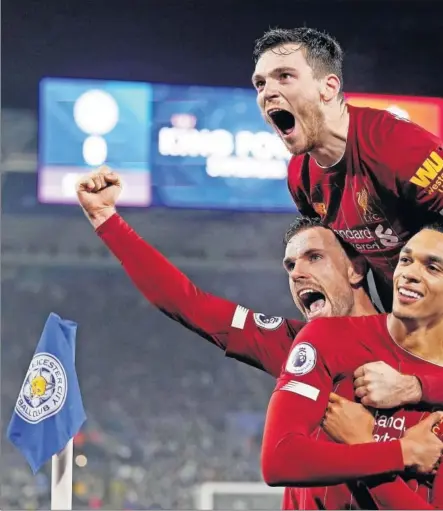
[
  {"x": 297, "y": 452},
  {"x": 387, "y": 186},
  {"x": 253, "y": 338}
]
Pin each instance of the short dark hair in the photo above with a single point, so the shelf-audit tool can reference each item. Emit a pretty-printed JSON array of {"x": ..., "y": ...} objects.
[
  {"x": 322, "y": 52},
  {"x": 434, "y": 227},
  {"x": 302, "y": 223}
]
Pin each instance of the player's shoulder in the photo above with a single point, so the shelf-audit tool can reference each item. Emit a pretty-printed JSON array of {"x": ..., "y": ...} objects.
[
  {"x": 339, "y": 342},
  {"x": 322, "y": 338},
  {"x": 322, "y": 331},
  {"x": 331, "y": 323},
  {"x": 365, "y": 324},
  {"x": 391, "y": 138},
  {"x": 395, "y": 122},
  {"x": 327, "y": 332}
]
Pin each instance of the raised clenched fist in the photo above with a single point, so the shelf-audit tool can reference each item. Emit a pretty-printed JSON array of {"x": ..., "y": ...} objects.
[{"x": 97, "y": 194}]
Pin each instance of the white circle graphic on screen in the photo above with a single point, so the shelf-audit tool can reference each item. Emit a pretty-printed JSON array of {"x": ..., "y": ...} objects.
[
  {"x": 95, "y": 150},
  {"x": 96, "y": 112}
]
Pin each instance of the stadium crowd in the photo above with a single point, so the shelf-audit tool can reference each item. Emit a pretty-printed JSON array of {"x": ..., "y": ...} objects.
[{"x": 166, "y": 410}]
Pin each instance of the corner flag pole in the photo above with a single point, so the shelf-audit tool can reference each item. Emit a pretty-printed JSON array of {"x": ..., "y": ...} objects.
[
  {"x": 61, "y": 475},
  {"x": 61, "y": 478}
]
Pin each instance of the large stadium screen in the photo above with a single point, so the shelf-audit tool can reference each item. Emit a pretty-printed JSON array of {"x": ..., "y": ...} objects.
[
  {"x": 83, "y": 124},
  {"x": 178, "y": 146},
  {"x": 212, "y": 149}
]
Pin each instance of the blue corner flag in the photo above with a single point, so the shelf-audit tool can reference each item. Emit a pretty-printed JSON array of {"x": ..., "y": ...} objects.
[{"x": 49, "y": 409}]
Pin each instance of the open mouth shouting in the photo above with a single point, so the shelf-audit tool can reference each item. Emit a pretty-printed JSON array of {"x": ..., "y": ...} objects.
[
  {"x": 313, "y": 301},
  {"x": 283, "y": 120},
  {"x": 408, "y": 295}
]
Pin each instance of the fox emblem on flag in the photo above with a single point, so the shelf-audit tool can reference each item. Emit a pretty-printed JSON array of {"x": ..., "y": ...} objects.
[{"x": 44, "y": 390}]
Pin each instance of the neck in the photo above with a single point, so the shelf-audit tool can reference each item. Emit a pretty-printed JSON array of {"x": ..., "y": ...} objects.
[
  {"x": 424, "y": 340},
  {"x": 332, "y": 143},
  {"x": 363, "y": 305}
]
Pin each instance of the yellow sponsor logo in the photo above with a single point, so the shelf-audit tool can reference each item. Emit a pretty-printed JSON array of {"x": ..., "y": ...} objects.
[{"x": 429, "y": 172}]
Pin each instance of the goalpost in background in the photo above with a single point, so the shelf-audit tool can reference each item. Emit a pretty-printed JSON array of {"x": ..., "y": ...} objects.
[{"x": 237, "y": 496}]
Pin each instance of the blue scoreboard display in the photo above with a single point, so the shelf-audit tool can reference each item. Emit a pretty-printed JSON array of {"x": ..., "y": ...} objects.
[
  {"x": 83, "y": 124},
  {"x": 175, "y": 146}
]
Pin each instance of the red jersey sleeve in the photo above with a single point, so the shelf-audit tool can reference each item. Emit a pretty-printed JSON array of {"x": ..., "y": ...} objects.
[
  {"x": 291, "y": 455},
  {"x": 411, "y": 163},
  {"x": 432, "y": 389},
  {"x": 254, "y": 338},
  {"x": 437, "y": 489},
  {"x": 397, "y": 494}
]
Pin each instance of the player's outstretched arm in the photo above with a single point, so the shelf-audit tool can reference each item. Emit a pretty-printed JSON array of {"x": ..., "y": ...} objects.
[
  {"x": 350, "y": 423},
  {"x": 258, "y": 340},
  {"x": 379, "y": 385},
  {"x": 291, "y": 456}
]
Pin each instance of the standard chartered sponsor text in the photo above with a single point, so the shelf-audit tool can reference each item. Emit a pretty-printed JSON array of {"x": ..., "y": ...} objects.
[
  {"x": 388, "y": 428},
  {"x": 367, "y": 240}
]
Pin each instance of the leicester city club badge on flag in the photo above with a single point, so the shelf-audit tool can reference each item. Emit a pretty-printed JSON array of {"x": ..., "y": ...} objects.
[
  {"x": 49, "y": 409},
  {"x": 44, "y": 390}
]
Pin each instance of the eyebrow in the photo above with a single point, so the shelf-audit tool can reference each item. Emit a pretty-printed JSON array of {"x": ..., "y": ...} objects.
[
  {"x": 429, "y": 258},
  {"x": 308, "y": 252},
  {"x": 434, "y": 259},
  {"x": 276, "y": 71}
]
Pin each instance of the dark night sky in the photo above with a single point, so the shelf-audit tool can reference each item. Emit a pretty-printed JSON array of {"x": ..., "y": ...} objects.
[{"x": 393, "y": 47}]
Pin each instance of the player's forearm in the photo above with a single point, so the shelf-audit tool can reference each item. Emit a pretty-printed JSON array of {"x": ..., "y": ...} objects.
[
  {"x": 300, "y": 461},
  {"x": 164, "y": 285},
  {"x": 291, "y": 456},
  {"x": 425, "y": 388},
  {"x": 396, "y": 494},
  {"x": 411, "y": 390}
]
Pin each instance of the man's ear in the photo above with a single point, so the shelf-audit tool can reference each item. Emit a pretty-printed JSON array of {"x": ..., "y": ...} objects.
[
  {"x": 358, "y": 270},
  {"x": 331, "y": 87}
]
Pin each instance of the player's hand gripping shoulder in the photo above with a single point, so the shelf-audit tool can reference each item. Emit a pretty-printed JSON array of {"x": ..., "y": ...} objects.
[
  {"x": 97, "y": 193},
  {"x": 379, "y": 385}
]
